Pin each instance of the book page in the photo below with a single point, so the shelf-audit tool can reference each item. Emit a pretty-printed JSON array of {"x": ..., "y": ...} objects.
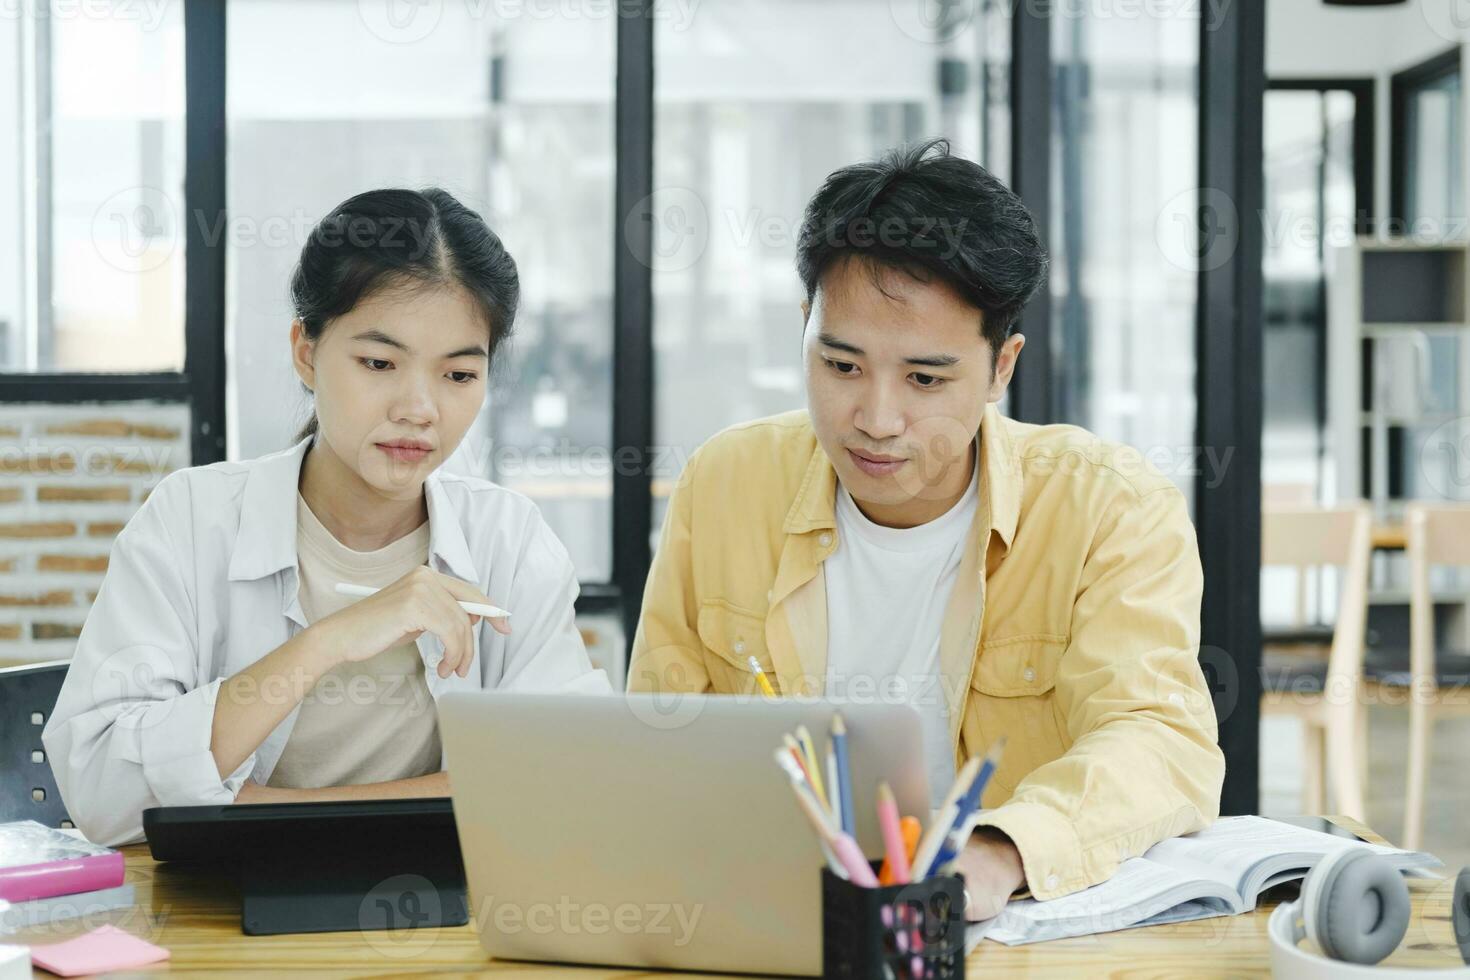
[
  {"x": 1251, "y": 852},
  {"x": 1140, "y": 888}
]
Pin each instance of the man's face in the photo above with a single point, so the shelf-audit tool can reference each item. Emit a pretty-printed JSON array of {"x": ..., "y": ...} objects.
[{"x": 897, "y": 379}]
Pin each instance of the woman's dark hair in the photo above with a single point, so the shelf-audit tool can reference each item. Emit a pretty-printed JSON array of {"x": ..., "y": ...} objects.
[
  {"x": 394, "y": 237},
  {"x": 929, "y": 214}
]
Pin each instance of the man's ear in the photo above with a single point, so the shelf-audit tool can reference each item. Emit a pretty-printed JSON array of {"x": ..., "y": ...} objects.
[
  {"x": 806, "y": 312},
  {"x": 1005, "y": 366},
  {"x": 303, "y": 349}
]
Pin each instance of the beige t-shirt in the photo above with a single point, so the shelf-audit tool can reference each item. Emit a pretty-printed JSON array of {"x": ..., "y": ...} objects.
[{"x": 364, "y": 722}]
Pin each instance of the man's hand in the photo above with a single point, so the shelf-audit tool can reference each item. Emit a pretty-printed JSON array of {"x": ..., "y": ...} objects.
[{"x": 992, "y": 869}]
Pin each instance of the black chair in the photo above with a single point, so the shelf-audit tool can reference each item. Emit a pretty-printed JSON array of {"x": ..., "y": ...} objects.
[{"x": 27, "y": 695}]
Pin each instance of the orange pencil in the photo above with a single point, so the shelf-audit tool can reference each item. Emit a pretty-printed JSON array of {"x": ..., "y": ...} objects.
[{"x": 911, "y": 830}]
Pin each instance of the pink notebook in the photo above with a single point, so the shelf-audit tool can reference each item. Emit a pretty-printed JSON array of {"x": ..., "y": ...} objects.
[{"x": 37, "y": 861}]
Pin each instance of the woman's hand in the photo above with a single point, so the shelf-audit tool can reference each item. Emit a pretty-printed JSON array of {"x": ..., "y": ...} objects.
[
  {"x": 992, "y": 869},
  {"x": 423, "y": 601}
]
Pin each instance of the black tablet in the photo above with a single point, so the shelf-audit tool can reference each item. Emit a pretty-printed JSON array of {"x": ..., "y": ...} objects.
[
  {"x": 225, "y": 833},
  {"x": 325, "y": 867}
]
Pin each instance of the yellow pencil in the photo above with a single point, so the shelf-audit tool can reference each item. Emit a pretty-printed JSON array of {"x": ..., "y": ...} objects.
[
  {"x": 813, "y": 764},
  {"x": 760, "y": 678}
]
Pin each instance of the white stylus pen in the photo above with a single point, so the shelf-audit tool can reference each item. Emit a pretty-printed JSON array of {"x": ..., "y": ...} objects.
[{"x": 478, "y": 608}]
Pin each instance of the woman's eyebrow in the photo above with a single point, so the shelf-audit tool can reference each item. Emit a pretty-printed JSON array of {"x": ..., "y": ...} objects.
[{"x": 378, "y": 336}]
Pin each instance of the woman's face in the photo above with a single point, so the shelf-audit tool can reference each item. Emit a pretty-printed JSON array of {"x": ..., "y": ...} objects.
[{"x": 398, "y": 380}]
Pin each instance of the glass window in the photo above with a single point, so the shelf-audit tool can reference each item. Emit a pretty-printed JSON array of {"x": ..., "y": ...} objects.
[
  {"x": 93, "y": 250},
  {"x": 508, "y": 110},
  {"x": 1434, "y": 189},
  {"x": 757, "y": 102},
  {"x": 1310, "y": 197},
  {"x": 1124, "y": 230}
]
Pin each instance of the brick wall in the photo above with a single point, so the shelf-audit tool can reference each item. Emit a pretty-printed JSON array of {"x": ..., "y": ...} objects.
[{"x": 70, "y": 477}]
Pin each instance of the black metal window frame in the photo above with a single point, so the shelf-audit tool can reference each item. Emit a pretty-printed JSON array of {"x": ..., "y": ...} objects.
[
  {"x": 1228, "y": 342},
  {"x": 201, "y": 384},
  {"x": 1363, "y": 90},
  {"x": 1402, "y": 86}
]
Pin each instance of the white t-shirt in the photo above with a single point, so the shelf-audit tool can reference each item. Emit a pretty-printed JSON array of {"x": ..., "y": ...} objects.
[{"x": 887, "y": 589}]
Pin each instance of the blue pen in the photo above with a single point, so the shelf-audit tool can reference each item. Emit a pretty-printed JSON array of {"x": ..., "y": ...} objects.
[
  {"x": 844, "y": 775},
  {"x": 968, "y": 803}
]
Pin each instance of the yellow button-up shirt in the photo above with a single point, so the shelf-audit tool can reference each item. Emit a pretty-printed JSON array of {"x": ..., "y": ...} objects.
[{"x": 1073, "y": 627}]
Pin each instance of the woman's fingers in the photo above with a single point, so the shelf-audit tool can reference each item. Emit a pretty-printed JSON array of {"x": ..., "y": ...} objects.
[{"x": 463, "y": 591}]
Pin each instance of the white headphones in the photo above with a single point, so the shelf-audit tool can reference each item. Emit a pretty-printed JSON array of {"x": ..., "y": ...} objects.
[{"x": 1355, "y": 909}]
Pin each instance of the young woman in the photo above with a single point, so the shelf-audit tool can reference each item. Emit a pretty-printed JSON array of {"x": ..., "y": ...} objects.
[{"x": 220, "y": 663}]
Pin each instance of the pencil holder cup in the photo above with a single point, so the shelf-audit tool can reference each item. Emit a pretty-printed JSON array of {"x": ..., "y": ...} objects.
[{"x": 901, "y": 932}]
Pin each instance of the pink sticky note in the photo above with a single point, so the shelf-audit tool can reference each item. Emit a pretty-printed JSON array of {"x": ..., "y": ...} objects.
[{"x": 104, "y": 948}]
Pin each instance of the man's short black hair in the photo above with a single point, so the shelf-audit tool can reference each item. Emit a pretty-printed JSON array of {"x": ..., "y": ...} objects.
[{"x": 931, "y": 215}]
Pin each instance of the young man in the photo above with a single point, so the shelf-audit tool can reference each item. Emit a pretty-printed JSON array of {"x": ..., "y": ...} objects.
[{"x": 902, "y": 540}]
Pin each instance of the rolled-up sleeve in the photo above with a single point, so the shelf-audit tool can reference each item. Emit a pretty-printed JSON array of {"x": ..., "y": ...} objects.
[
  {"x": 1144, "y": 763},
  {"x": 132, "y": 726}
]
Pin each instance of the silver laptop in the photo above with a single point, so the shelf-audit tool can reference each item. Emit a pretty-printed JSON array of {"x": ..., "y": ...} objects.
[{"x": 653, "y": 830}]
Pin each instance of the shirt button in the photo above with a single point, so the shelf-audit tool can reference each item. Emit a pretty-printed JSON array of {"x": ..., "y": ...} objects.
[
  {"x": 1029, "y": 674},
  {"x": 739, "y": 646},
  {"x": 825, "y": 539},
  {"x": 1051, "y": 882},
  {"x": 1177, "y": 698}
]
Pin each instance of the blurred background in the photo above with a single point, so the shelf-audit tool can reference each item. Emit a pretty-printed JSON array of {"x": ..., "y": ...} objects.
[{"x": 1256, "y": 215}]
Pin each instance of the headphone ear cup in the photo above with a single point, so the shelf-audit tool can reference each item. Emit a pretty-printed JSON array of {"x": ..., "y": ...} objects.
[
  {"x": 1360, "y": 910},
  {"x": 1460, "y": 915}
]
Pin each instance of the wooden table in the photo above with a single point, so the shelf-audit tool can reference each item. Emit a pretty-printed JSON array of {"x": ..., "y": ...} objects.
[{"x": 197, "y": 918}]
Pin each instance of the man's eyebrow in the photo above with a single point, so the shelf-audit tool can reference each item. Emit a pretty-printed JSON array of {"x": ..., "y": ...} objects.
[
  {"x": 933, "y": 360},
  {"x": 928, "y": 360},
  {"x": 827, "y": 340},
  {"x": 474, "y": 350},
  {"x": 378, "y": 336}
]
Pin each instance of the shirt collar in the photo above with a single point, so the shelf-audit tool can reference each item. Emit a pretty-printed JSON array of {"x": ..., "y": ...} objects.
[
  {"x": 815, "y": 505},
  {"x": 266, "y": 541},
  {"x": 1000, "y": 484}
]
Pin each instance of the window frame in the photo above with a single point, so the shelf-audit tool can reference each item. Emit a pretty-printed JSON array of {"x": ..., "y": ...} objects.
[
  {"x": 1402, "y": 87},
  {"x": 201, "y": 383}
]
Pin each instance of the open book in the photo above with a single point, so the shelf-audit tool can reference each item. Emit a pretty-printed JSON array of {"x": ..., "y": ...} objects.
[{"x": 1218, "y": 871}]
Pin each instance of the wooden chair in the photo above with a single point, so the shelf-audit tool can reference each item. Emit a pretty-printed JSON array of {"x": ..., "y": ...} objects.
[
  {"x": 1315, "y": 675},
  {"x": 1434, "y": 682}
]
